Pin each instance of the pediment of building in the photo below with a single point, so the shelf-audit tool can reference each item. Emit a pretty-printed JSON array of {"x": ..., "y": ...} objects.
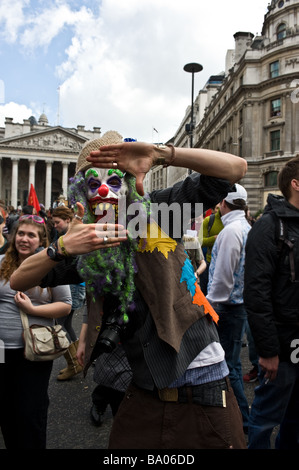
[{"x": 54, "y": 139}]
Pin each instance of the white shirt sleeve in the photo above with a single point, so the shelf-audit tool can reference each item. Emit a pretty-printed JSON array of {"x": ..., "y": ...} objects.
[{"x": 229, "y": 244}]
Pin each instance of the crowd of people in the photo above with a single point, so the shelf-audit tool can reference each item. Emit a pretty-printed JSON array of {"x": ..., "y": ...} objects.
[{"x": 164, "y": 322}]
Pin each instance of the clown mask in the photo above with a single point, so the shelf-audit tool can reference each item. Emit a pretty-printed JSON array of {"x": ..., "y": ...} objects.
[{"x": 105, "y": 189}]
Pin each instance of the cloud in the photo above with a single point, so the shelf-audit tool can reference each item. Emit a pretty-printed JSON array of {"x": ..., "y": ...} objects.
[
  {"x": 43, "y": 27},
  {"x": 123, "y": 71},
  {"x": 12, "y": 18},
  {"x": 127, "y": 73},
  {"x": 14, "y": 110},
  {"x": 121, "y": 63}
]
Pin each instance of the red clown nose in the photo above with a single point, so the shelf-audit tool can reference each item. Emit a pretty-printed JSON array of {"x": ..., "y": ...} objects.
[{"x": 103, "y": 190}]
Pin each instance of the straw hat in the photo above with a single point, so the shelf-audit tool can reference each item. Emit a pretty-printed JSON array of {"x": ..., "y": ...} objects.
[{"x": 110, "y": 137}]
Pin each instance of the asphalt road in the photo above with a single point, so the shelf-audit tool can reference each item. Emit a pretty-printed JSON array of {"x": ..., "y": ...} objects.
[{"x": 69, "y": 425}]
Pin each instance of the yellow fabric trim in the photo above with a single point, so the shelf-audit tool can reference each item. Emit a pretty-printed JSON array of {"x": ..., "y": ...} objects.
[{"x": 156, "y": 238}]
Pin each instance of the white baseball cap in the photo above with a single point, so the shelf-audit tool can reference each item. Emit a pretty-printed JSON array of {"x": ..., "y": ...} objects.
[{"x": 240, "y": 193}]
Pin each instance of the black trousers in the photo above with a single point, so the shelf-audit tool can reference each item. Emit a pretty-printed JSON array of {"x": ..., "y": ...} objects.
[
  {"x": 103, "y": 396},
  {"x": 24, "y": 401}
]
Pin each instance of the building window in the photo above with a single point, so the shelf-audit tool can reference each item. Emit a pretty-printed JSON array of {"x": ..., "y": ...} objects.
[
  {"x": 241, "y": 117},
  {"x": 274, "y": 69},
  {"x": 274, "y": 141},
  {"x": 281, "y": 31},
  {"x": 275, "y": 107},
  {"x": 271, "y": 179},
  {"x": 157, "y": 181}
]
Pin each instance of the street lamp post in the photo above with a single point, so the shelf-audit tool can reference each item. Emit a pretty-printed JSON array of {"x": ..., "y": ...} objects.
[{"x": 192, "y": 68}]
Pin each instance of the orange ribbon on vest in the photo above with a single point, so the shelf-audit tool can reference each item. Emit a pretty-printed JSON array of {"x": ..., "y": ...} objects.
[{"x": 200, "y": 299}]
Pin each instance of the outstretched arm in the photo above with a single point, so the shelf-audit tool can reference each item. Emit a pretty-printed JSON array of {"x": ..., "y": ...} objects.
[
  {"x": 138, "y": 157},
  {"x": 79, "y": 239}
]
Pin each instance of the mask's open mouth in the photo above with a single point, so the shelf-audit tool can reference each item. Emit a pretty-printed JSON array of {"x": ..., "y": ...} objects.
[{"x": 105, "y": 208}]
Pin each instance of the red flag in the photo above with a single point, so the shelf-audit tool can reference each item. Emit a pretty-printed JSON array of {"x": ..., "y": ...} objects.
[{"x": 32, "y": 199}]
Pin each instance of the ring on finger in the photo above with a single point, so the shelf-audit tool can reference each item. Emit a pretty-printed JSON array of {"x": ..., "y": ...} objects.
[
  {"x": 105, "y": 240},
  {"x": 114, "y": 164}
]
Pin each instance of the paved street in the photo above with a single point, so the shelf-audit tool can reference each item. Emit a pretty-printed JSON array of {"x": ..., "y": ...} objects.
[{"x": 69, "y": 425}]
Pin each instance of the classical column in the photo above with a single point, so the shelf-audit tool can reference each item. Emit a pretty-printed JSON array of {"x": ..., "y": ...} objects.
[
  {"x": 14, "y": 182},
  {"x": 293, "y": 109},
  {"x": 48, "y": 184},
  {"x": 64, "y": 178},
  {"x": 31, "y": 173},
  {"x": 290, "y": 131},
  {"x": 247, "y": 129}
]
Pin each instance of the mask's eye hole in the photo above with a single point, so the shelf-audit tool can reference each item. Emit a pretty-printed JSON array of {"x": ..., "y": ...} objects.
[
  {"x": 94, "y": 184},
  {"x": 114, "y": 182}
]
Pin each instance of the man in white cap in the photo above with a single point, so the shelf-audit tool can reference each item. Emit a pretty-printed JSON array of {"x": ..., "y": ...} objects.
[{"x": 226, "y": 285}]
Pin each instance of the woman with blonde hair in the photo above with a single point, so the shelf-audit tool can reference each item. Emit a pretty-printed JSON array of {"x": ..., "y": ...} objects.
[{"x": 24, "y": 384}]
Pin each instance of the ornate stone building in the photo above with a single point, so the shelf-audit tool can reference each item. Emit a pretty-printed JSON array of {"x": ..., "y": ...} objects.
[
  {"x": 34, "y": 152},
  {"x": 252, "y": 108}
]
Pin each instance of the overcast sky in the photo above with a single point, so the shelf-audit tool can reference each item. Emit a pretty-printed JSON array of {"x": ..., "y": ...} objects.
[{"x": 114, "y": 64}]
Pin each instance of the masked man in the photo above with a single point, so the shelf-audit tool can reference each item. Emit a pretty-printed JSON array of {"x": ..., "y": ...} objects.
[{"x": 180, "y": 395}]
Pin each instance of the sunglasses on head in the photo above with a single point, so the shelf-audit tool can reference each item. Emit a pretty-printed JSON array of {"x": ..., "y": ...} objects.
[{"x": 35, "y": 218}]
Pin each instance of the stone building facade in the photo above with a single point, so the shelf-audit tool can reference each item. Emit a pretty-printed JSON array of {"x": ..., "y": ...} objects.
[
  {"x": 35, "y": 152},
  {"x": 252, "y": 108}
]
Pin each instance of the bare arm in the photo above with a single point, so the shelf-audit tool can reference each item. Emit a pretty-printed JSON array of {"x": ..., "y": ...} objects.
[
  {"x": 50, "y": 310},
  {"x": 138, "y": 158},
  {"x": 30, "y": 273},
  {"x": 211, "y": 163},
  {"x": 201, "y": 268},
  {"x": 82, "y": 344},
  {"x": 80, "y": 238}
]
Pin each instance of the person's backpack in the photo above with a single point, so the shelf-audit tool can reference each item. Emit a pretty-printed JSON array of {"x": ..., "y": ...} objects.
[{"x": 210, "y": 224}]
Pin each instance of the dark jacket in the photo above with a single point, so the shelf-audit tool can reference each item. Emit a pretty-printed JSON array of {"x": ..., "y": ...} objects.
[{"x": 271, "y": 298}]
